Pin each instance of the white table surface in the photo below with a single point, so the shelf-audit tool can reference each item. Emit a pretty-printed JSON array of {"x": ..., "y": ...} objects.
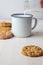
[{"x": 10, "y": 50}]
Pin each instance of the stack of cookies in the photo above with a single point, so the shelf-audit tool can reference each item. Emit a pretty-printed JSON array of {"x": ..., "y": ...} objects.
[
  {"x": 5, "y": 30},
  {"x": 5, "y": 26}
]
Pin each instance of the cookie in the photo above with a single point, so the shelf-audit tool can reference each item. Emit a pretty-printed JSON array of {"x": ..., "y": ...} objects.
[
  {"x": 9, "y": 34},
  {"x": 5, "y": 24},
  {"x": 4, "y": 29},
  {"x": 6, "y": 35},
  {"x": 2, "y": 36},
  {"x": 32, "y": 51}
]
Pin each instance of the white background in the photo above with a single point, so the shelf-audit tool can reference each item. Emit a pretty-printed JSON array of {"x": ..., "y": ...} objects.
[{"x": 7, "y": 7}]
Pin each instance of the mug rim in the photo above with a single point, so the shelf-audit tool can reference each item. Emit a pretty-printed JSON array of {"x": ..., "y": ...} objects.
[{"x": 18, "y": 15}]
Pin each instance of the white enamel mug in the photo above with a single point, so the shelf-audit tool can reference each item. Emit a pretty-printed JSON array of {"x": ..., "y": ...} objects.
[{"x": 21, "y": 24}]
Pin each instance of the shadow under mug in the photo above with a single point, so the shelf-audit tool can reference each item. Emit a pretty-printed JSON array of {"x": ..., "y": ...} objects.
[{"x": 21, "y": 24}]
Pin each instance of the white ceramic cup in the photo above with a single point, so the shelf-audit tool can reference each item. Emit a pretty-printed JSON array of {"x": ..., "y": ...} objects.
[{"x": 21, "y": 24}]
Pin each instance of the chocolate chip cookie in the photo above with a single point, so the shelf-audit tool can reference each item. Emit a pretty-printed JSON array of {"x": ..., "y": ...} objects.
[
  {"x": 5, "y": 24},
  {"x": 32, "y": 51},
  {"x": 6, "y": 35},
  {"x": 4, "y": 29}
]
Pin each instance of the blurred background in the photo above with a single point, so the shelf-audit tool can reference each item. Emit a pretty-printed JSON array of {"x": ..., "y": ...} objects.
[{"x": 8, "y": 7}]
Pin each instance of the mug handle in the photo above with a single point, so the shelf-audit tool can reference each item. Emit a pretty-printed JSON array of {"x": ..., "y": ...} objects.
[{"x": 35, "y": 23}]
